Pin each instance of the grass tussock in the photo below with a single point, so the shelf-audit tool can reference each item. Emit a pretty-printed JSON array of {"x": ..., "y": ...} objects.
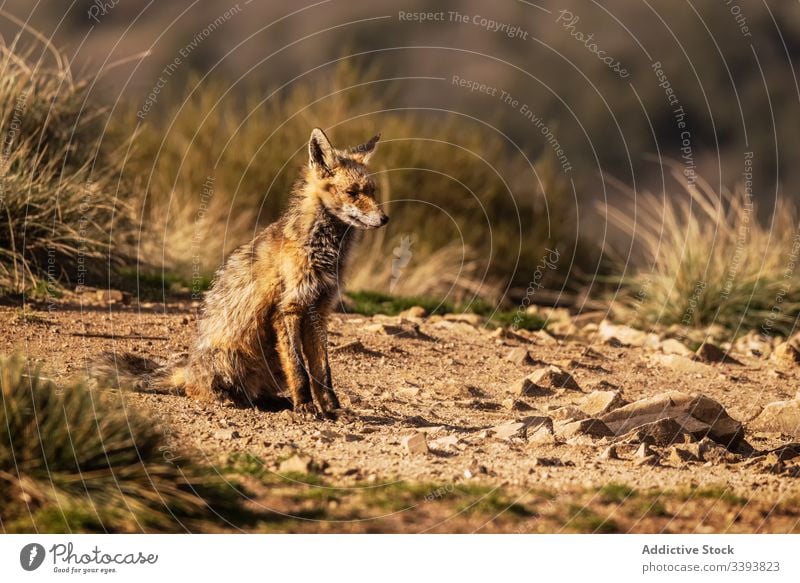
[
  {"x": 708, "y": 259},
  {"x": 60, "y": 219},
  {"x": 76, "y": 460}
]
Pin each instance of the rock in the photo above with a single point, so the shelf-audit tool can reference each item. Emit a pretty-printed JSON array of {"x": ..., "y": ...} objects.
[
  {"x": 679, "y": 456},
  {"x": 516, "y": 405},
  {"x": 590, "y": 427},
  {"x": 552, "y": 377},
  {"x": 753, "y": 344},
  {"x": 674, "y": 346},
  {"x": 416, "y": 444},
  {"x": 709, "y": 352},
  {"x": 609, "y": 453},
  {"x": 625, "y": 335},
  {"x": 663, "y": 432},
  {"x": 536, "y": 422},
  {"x": 597, "y": 403},
  {"x": 466, "y": 318},
  {"x": 779, "y": 417},
  {"x": 509, "y": 430},
  {"x": 542, "y": 436},
  {"x": 568, "y": 413},
  {"x": 697, "y": 415},
  {"x": 520, "y": 429},
  {"x": 354, "y": 347},
  {"x": 297, "y": 464},
  {"x": 414, "y": 312},
  {"x": 110, "y": 295},
  {"x": 651, "y": 460},
  {"x": 787, "y": 354},
  {"x": 520, "y": 356},
  {"x": 548, "y": 462},
  {"x": 227, "y": 434},
  {"x": 681, "y": 364},
  {"x": 448, "y": 443},
  {"x": 711, "y": 451},
  {"x": 407, "y": 331},
  {"x": 526, "y": 388},
  {"x": 786, "y": 452},
  {"x": 542, "y": 337},
  {"x": 643, "y": 451}
]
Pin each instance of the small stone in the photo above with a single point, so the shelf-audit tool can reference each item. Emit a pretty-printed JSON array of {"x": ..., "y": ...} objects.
[
  {"x": 651, "y": 460},
  {"x": 779, "y": 417},
  {"x": 542, "y": 436},
  {"x": 297, "y": 464},
  {"x": 526, "y": 388},
  {"x": 589, "y": 427},
  {"x": 682, "y": 364},
  {"x": 663, "y": 432},
  {"x": 414, "y": 312},
  {"x": 227, "y": 434},
  {"x": 597, "y": 403},
  {"x": 553, "y": 377},
  {"x": 109, "y": 295},
  {"x": 415, "y": 444},
  {"x": 509, "y": 430},
  {"x": 568, "y": 413},
  {"x": 679, "y": 456},
  {"x": 448, "y": 443},
  {"x": 644, "y": 451},
  {"x": 520, "y": 356},
  {"x": 516, "y": 405},
  {"x": 625, "y": 335},
  {"x": 709, "y": 352},
  {"x": 466, "y": 318},
  {"x": 787, "y": 354},
  {"x": 609, "y": 453},
  {"x": 673, "y": 346}
]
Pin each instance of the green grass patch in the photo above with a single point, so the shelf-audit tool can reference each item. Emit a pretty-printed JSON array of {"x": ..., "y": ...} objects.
[
  {"x": 583, "y": 519},
  {"x": 370, "y": 303},
  {"x": 615, "y": 493}
]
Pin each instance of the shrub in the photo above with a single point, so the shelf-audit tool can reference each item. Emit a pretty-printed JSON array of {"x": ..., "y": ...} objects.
[
  {"x": 707, "y": 259},
  {"x": 58, "y": 184}
]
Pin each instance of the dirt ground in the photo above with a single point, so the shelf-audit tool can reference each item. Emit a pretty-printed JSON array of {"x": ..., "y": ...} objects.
[{"x": 453, "y": 380}]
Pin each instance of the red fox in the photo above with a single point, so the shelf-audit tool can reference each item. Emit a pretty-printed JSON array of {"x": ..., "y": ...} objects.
[{"x": 263, "y": 328}]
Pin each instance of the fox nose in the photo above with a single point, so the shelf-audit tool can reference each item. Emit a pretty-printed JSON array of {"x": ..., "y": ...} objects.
[{"x": 384, "y": 219}]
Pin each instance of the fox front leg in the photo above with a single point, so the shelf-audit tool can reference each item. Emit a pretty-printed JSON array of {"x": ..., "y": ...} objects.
[
  {"x": 315, "y": 346},
  {"x": 291, "y": 356}
]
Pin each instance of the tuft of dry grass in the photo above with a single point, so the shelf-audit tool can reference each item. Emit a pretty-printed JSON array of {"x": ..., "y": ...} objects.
[
  {"x": 707, "y": 259},
  {"x": 60, "y": 219}
]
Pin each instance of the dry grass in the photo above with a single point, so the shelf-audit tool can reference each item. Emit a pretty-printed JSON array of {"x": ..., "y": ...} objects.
[
  {"x": 708, "y": 259},
  {"x": 58, "y": 197}
]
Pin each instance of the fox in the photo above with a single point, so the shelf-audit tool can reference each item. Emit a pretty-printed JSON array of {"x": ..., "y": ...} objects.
[{"x": 262, "y": 329}]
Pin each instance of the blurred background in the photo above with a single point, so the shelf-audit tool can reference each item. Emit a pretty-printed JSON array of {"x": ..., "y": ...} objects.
[{"x": 509, "y": 129}]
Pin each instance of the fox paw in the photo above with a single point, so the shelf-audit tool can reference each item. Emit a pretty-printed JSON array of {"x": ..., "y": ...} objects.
[
  {"x": 341, "y": 415},
  {"x": 306, "y": 411}
]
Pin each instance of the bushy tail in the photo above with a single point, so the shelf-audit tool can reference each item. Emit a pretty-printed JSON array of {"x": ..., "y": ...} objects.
[{"x": 131, "y": 371}]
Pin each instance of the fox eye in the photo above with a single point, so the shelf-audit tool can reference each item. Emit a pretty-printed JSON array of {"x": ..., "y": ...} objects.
[{"x": 352, "y": 191}]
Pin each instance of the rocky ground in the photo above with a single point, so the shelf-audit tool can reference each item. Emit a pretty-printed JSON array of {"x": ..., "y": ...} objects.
[{"x": 455, "y": 427}]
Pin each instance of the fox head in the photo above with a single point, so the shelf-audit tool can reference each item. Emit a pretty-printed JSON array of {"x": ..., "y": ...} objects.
[{"x": 343, "y": 182}]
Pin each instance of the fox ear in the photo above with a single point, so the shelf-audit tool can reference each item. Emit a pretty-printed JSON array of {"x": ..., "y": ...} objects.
[
  {"x": 321, "y": 155},
  {"x": 365, "y": 151}
]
